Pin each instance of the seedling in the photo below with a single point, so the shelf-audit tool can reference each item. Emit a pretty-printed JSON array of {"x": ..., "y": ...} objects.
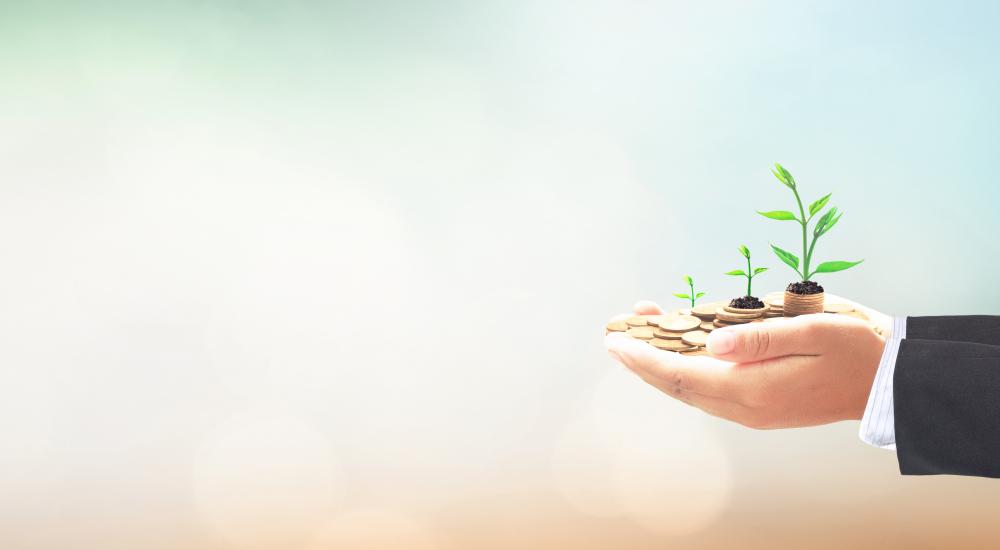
[
  {"x": 691, "y": 296},
  {"x": 749, "y": 273},
  {"x": 823, "y": 225}
]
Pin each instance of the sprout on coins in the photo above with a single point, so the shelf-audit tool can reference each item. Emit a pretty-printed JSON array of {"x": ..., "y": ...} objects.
[{"x": 691, "y": 295}]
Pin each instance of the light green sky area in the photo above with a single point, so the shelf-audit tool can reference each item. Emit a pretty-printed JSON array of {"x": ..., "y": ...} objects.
[{"x": 889, "y": 106}]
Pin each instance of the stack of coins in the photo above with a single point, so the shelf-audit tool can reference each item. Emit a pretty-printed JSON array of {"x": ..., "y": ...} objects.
[
  {"x": 804, "y": 304},
  {"x": 728, "y": 315},
  {"x": 686, "y": 331}
]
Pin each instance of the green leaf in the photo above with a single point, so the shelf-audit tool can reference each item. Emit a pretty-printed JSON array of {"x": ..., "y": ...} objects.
[
  {"x": 685, "y": 296},
  {"x": 782, "y": 215},
  {"x": 780, "y": 178},
  {"x": 832, "y": 223},
  {"x": 830, "y": 267},
  {"x": 790, "y": 259},
  {"x": 819, "y": 204},
  {"x": 759, "y": 270},
  {"x": 688, "y": 280},
  {"x": 745, "y": 251},
  {"x": 739, "y": 272},
  {"x": 823, "y": 221},
  {"x": 699, "y": 295},
  {"x": 786, "y": 176}
]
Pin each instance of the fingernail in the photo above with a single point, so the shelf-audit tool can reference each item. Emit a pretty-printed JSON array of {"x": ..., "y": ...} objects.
[{"x": 721, "y": 341}]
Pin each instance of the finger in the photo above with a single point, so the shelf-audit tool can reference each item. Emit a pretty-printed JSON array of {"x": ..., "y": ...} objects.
[
  {"x": 759, "y": 341},
  {"x": 621, "y": 317},
  {"x": 687, "y": 373},
  {"x": 645, "y": 307}
]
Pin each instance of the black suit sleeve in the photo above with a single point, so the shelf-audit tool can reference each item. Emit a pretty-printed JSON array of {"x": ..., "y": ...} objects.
[
  {"x": 983, "y": 329},
  {"x": 946, "y": 398}
]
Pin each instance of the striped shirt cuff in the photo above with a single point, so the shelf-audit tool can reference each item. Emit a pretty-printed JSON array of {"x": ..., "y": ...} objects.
[{"x": 878, "y": 426}]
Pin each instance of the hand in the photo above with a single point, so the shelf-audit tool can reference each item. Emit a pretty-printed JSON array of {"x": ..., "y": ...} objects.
[
  {"x": 878, "y": 319},
  {"x": 800, "y": 371}
]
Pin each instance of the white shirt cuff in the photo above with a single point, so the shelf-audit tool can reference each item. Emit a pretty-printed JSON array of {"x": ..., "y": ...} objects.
[{"x": 878, "y": 425}]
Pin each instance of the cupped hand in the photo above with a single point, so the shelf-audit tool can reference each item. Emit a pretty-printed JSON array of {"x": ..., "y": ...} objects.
[{"x": 801, "y": 371}]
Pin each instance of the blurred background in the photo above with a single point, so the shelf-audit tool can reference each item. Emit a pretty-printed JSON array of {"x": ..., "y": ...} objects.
[{"x": 310, "y": 275}]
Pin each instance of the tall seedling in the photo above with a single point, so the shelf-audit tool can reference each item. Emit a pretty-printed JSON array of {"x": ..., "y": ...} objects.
[{"x": 822, "y": 227}]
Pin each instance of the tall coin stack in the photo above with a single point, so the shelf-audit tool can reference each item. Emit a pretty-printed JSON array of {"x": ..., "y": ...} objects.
[{"x": 806, "y": 303}]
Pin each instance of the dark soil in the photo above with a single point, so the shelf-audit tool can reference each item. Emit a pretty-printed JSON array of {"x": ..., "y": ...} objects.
[
  {"x": 805, "y": 287},
  {"x": 746, "y": 302}
]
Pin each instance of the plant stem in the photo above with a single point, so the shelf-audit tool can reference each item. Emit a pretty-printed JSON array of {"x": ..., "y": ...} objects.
[
  {"x": 812, "y": 245},
  {"x": 692, "y": 293},
  {"x": 749, "y": 276},
  {"x": 802, "y": 222}
]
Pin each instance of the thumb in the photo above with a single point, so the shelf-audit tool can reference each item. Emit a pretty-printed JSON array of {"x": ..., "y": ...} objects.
[{"x": 759, "y": 341}]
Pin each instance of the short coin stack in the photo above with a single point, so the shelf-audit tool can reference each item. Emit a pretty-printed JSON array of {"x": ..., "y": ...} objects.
[
  {"x": 686, "y": 331},
  {"x": 726, "y": 315}
]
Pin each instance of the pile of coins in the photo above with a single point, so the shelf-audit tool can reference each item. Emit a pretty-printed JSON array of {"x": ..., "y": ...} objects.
[
  {"x": 676, "y": 331},
  {"x": 685, "y": 331}
]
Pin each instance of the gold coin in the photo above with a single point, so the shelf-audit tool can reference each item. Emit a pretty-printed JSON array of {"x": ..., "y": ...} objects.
[
  {"x": 838, "y": 308},
  {"x": 695, "y": 338},
  {"x": 681, "y": 323},
  {"x": 666, "y": 334},
  {"x": 727, "y": 319},
  {"x": 695, "y": 351},
  {"x": 707, "y": 326},
  {"x": 636, "y": 321},
  {"x": 656, "y": 320},
  {"x": 704, "y": 311},
  {"x": 721, "y": 323},
  {"x": 744, "y": 311},
  {"x": 617, "y": 326},
  {"x": 642, "y": 333},
  {"x": 669, "y": 345},
  {"x": 736, "y": 319},
  {"x": 722, "y": 313}
]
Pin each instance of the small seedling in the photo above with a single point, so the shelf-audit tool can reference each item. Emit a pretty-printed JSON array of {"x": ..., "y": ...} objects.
[
  {"x": 823, "y": 225},
  {"x": 691, "y": 296},
  {"x": 749, "y": 273}
]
